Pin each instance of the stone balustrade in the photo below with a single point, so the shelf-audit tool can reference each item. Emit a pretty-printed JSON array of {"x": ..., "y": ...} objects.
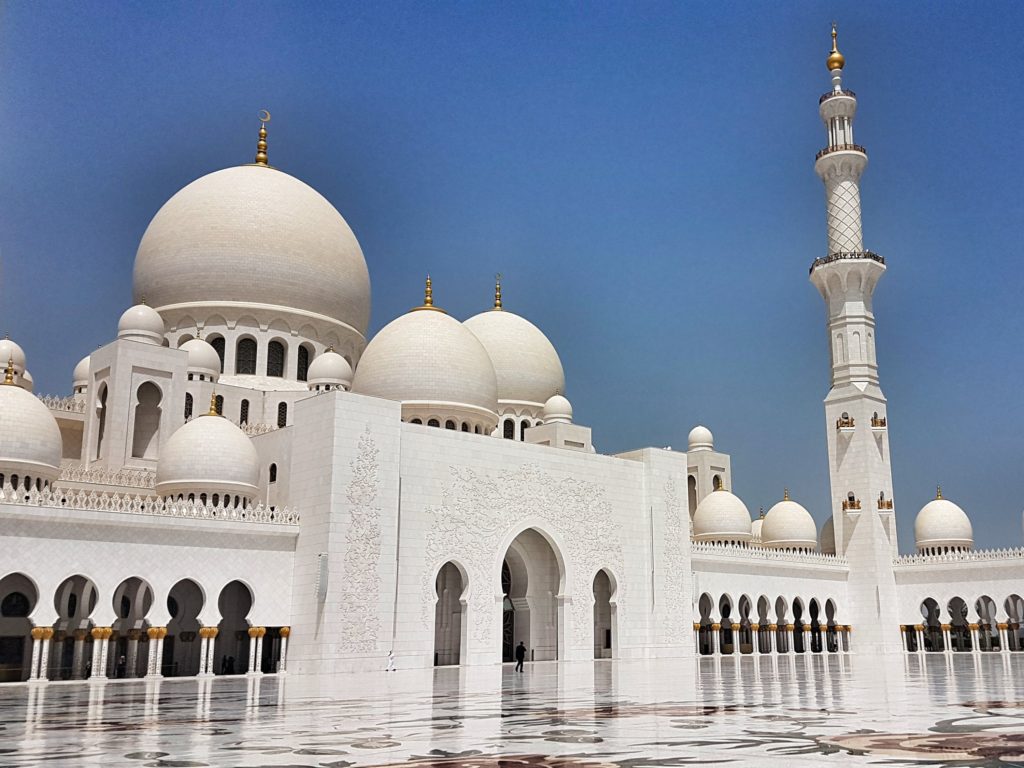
[
  {"x": 703, "y": 548},
  {"x": 147, "y": 505},
  {"x": 67, "y": 404},
  {"x": 973, "y": 555},
  {"x": 124, "y": 477}
]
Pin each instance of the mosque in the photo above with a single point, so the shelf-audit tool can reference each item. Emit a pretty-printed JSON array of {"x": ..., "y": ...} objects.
[{"x": 242, "y": 482}]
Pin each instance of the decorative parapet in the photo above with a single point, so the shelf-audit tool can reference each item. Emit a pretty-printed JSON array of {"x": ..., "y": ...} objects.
[
  {"x": 257, "y": 429},
  {"x": 64, "y": 404},
  {"x": 759, "y": 553},
  {"x": 124, "y": 477},
  {"x": 850, "y": 505},
  {"x": 147, "y": 505},
  {"x": 966, "y": 556}
]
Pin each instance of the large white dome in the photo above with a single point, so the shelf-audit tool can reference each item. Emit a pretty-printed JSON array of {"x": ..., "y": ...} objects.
[
  {"x": 250, "y": 237},
  {"x": 434, "y": 366},
  {"x": 525, "y": 362},
  {"x": 208, "y": 455},
  {"x": 789, "y": 526},
  {"x": 942, "y": 524},
  {"x": 30, "y": 441},
  {"x": 721, "y": 516}
]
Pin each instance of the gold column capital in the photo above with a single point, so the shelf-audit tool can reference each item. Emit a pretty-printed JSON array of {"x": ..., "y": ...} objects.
[{"x": 286, "y": 631}]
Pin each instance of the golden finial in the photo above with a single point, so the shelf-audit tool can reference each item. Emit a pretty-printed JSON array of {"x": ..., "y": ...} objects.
[
  {"x": 760, "y": 513},
  {"x": 428, "y": 297},
  {"x": 497, "y": 291},
  {"x": 835, "y": 59},
  {"x": 213, "y": 404},
  {"x": 785, "y": 494},
  {"x": 9, "y": 371},
  {"x": 261, "y": 145},
  {"x": 938, "y": 491},
  {"x": 330, "y": 348},
  {"x": 142, "y": 300}
]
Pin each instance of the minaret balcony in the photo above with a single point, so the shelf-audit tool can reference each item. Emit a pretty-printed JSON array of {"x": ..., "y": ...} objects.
[
  {"x": 878, "y": 423},
  {"x": 840, "y": 148},
  {"x": 845, "y": 424},
  {"x": 846, "y": 255},
  {"x": 851, "y": 505},
  {"x": 831, "y": 94}
]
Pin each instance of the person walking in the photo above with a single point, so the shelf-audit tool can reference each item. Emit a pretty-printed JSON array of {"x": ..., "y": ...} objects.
[
  {"x": 391, "y": 661},
  {"x": 520, "y": 656}
]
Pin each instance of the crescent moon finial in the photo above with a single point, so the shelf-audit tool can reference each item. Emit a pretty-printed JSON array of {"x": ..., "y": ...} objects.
[
  {"x": 261, "y": 145},
  {"x": 264, "y": 116}
]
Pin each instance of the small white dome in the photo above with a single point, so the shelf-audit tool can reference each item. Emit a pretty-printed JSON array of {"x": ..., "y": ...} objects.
[
  {"x": 701, "y": 439},
  {"x": 80, "y": 376},
  {"x": 755, "y": 530},
  {"x": 827, "y": 538},
  {"x": 25, "y": 381},
  {"x": 208, "y": 455},
  {"x": 941, "y": 523},
  {"x": 141, "y": 323},
  {"x": 789, "y": 526},
  {"x": 329, "y": 370},
  {"x": 721, "y": 516},
  {"x": 525, "y": 362},
  {"x": 557, "y": 410},
  {"x": 202, "y": 357},
  {"x": 10, "y": 351},
  {"x": 30, "y": 441},
  {"x": 433, "y": 365}
]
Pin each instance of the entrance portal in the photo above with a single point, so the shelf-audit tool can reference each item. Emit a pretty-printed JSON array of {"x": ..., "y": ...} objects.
[{"x": 531, "y": 584}]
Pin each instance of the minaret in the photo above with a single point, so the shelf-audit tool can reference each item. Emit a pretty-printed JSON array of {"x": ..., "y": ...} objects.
[{"x": 855, "y": 408}]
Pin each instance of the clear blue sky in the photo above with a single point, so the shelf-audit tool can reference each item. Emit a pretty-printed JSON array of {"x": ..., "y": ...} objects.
[{"x": 642, "y": 174}]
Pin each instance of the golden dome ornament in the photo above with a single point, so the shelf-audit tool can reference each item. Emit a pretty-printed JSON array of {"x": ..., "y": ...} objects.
[{"x": 835, "y": 59}]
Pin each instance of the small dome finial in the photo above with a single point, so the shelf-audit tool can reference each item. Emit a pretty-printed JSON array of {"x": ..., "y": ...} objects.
[
  {"x": 428, "y": 294},
  {"x": 938, "y": 491},
  {"x": 213, "y": 404},
  {"x": 9, "y": 371},
  {"x": 261, "y": 145},
  {"x": 497, "y": 291},
  {"x": 835, "y": 58},
  {"x": 785, "y": 494},
  {"x": 760, "y": 513}
]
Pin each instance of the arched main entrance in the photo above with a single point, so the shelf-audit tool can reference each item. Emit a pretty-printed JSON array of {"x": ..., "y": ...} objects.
[
  {"x": 531, "y": 587},
  {"x": 604, "y": 616},
  {"x": 449, "y": 615},
  {"x": 18, "y": 596}
]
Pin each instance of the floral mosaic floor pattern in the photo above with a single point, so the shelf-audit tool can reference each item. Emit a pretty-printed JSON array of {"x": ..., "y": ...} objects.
[{"x": 932, "y": 710}]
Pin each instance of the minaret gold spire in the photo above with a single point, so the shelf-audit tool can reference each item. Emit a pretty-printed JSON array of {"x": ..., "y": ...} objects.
[
  {"x": 428, "y": 298},
  {"x": 261, "y": 145},
  {"x": 835, "y": 58},
  {"x": 213, "y": 404},
  {"x": 785, "y": 494},
  {"x": 9, "y": 371},
  {"x": 497, "y": 291},
  {"x": 938, "y": 491}
]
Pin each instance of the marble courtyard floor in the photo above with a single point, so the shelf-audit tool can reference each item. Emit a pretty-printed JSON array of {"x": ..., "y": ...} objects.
[{"x": 932, "y": 710}]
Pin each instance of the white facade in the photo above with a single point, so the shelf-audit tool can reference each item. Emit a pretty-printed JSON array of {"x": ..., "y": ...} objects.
[{"x": 284, "y": 495}]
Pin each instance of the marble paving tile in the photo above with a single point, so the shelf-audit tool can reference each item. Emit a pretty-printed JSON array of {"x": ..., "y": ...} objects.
[{"x": 921, "y": 710}]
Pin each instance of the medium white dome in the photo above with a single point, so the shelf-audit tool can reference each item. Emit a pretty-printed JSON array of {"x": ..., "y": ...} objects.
[
  {"x": 80, "y": 376},
  {"x": 827, "y": 538},
  {"x": 208, "y": 455},
  {"x": 250, "y": 237},
  {"x": 941, "y": 523},
  {"x": 789, "y": 526},
  {"x": 433, "y": 365},
  {"x": 202, "y": 357},
  {"x": 721, "y": 516},
  {"x": 557, "y": 410},
  {"x": 755, "y": 530},
  {"x": 700, "y": 439},
  {"x": 329, "y": 369},
  {"x": 141, "y": 323},
  {"x": 525, "y": 362},
  {"x": 10, "y": 351},
  {"x": 30, "y": 441}
]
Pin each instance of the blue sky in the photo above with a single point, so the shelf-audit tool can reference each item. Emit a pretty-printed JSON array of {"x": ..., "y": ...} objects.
[{"x": 642, "y": 175}]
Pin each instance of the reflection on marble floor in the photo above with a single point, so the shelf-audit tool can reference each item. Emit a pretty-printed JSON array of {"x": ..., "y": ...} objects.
[{"x": 947, "y": 710}]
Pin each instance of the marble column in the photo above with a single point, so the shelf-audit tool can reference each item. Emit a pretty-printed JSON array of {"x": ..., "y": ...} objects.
[
  {"x": 1004, "y": 637},
  {"x": 211, "y": 650},
  {"x": 716, "y": 642},
  {"x": 919, "y": 634},
  {"x": 257, "y": 666},
  {"x": 78, "y": 658},
  {"x": 807, "y": 638},
  {"x": 791, "y": 637},
  {"x": 975, "y": 638},
  {"x": 696, "y": 638},
  {"x": 98, "y": 672},
  {"x": 37, "y": 646},
  {"x": 156, "y": 651},
  {"x": 44, "y": 652},
  {"x": 282, "y": 664},
  {"x": 947, "y": 647},
  {"x": 253, "y": 632},
  {"x": 737, "y": 648},
  {"x": 773, "y": 639}
]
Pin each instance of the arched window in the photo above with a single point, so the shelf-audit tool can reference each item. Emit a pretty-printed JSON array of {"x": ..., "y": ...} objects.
[
  {"x": 416, "y": 421},
  {"x": 691, "y": 493},
  {"x": 449, "y": 424},
  {"x": 218, "y": 404},
  {"x": 522, "y": 430},
  {"x": 465, "y": 427},
  {"x": 716, "y": 482},
  {"x": 302, "y": 372},
  {"x": 245, "y": 356},
  {"x": 146, "y": 435},
  {"x": 15, "y": 605},
  {"x": 102, "y": 417},
  {"x": 275, "y": 359},
  {"x": 273, "y": 473},
  {"x": 433, "y": 423},
  {"x": 510, "y": 429},
  {"x": 243, "y": 413},
  {"x": 218, "y": 346},
  {"x": 282, "y": 414},
  {"x": 188, "y": 406}
]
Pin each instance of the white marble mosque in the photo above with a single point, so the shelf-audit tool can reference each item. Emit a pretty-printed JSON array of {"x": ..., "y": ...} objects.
[{"x": 242, "y": 483}]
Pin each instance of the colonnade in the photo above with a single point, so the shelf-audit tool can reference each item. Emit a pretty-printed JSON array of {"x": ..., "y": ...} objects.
[{"x": 721, "y": 638}]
